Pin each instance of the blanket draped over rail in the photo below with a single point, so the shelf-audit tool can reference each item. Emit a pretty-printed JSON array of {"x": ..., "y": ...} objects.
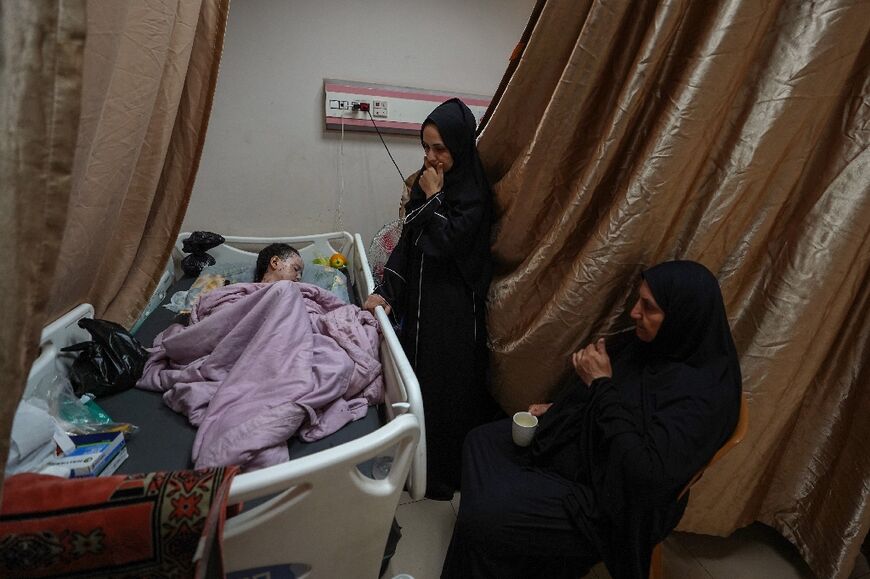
[{"x": 261, "y": 362}]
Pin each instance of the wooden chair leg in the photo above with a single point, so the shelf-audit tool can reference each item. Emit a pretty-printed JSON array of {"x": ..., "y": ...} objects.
[{"x": 656, "y": 566}]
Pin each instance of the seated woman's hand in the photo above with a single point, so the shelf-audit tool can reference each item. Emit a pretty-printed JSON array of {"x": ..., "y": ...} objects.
[
  {"x": 539, "y": 409},
  {"x": 373, "y": 301},
  {"x": 592, "y": 362}
]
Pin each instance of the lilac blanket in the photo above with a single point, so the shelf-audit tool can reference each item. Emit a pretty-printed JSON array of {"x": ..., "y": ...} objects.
[{"x": 261, "y": 362}]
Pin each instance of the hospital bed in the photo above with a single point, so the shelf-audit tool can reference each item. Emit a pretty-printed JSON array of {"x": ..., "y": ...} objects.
[{"x": 325, "y": 513}]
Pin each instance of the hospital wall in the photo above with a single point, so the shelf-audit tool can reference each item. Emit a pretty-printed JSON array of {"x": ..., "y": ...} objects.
[{"x": 269, "y": 167}]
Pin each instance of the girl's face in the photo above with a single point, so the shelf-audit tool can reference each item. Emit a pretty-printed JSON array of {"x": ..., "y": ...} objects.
[
  {"x": 435, "y": 149},
  {"x": 289, "y": 269},
  {"x": 647, "y": 314}
]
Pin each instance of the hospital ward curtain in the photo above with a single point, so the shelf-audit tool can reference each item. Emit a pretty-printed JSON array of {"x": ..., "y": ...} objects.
[
  {"x": 40, "y": 83},
  {"x": 734, "y": 133},
  {"x": 149, "y": 77},
  {"x": 105, "y": 105}
]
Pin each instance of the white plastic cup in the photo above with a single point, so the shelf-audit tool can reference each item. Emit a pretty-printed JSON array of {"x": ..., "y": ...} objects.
[{"x": 523, "y": 429}]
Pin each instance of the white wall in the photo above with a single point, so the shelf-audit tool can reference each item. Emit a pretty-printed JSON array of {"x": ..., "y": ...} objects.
[{"x": 269, "y": 167}]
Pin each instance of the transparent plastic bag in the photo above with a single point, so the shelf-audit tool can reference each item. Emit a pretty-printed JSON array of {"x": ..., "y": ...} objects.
[
  {"x": 73, "y": 414},
  {"x": 179, "y": 303},
  {"x": 183, "y": 302}
]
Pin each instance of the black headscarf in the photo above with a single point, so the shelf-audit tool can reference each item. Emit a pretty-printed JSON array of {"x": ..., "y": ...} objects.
[
  {"x": 466, "y": 180},
  {"x": 692, "y": 355},
  {"x": 456, "y": 124},
  {"x": 695, "y": 329}
]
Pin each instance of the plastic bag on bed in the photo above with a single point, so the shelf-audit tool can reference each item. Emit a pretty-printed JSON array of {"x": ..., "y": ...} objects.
[
  {"x": 112, "y": 361},
  {"x": 73, "y": 414},
  {"x": 196, "y": 244},
  {"x": 210, "y": 278}
]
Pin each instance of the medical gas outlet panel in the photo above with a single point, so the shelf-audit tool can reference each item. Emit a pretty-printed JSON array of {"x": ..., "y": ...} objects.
[{"x": 356, "y": 106}]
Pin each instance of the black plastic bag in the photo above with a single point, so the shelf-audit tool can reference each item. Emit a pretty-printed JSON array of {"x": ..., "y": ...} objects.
[
  {"x": 111, "y": 362},
  {"x": 196, "y": 244}
]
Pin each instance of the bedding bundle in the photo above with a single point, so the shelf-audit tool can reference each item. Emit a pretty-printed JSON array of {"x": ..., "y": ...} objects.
[
  {"x": 260, "y": 363},
  {"x": 160, "y": 524}
]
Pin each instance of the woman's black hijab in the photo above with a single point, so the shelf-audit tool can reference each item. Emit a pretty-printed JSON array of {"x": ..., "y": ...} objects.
[
  {"x": 464, "y": 184},
  {"x": 695, "y": 329},
  {"x": 696, "y": 337},
  {"x": 456, "y": 124}
]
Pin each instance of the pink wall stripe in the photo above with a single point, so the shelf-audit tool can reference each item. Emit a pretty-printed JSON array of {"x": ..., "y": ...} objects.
[
  {"x": 367, "y": 122},
  {"x": 409, "y": 95}
]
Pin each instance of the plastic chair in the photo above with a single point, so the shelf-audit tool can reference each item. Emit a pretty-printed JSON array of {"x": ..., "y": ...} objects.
[{"x": 656, "y": 568}]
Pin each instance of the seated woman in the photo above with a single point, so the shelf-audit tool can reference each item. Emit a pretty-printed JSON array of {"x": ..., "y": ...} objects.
[
  {"x": 610, "y": 456},
  {"x": 278, "y": 261}
]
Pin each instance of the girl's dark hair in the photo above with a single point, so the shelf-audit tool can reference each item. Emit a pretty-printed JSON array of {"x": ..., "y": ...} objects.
[{"x": 280, "y": 250}]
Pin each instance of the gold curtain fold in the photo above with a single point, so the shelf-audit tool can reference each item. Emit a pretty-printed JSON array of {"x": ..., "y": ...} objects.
[
  {"x": 41, "y": 50},
  {"x": 733, "y": 133},
  {"x": 150, "y": 72}
]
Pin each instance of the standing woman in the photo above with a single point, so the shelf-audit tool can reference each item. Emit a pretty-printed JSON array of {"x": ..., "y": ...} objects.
[{"x": 435, "y": 283}]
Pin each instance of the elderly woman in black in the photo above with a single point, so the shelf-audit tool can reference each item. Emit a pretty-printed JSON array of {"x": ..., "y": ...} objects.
[
  {"x": 610, "y": 456},
  {"x": 435, "y": 283}
]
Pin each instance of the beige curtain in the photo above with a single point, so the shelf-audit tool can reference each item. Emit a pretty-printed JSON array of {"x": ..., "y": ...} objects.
[
  {"x": 734, "y": 133},
  {"x": 41, "y": 51},
  {"x": 101, "y": 143},
  {"x": 149, "y": 77}
]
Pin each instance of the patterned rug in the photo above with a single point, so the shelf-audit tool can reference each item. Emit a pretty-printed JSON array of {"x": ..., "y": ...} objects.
[{"x": 161, "y": 524}]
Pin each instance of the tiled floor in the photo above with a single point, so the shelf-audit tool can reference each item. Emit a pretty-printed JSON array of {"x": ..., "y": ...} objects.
[{"x": 754, "y": 552}]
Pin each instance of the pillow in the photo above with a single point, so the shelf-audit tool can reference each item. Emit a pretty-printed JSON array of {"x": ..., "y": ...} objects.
[
  {"x": 238, "y": 272},
  {"x": 221, "y": 274}
]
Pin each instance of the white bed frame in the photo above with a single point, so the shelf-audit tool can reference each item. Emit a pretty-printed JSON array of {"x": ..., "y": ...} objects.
[{"x": 325, "y": 518}]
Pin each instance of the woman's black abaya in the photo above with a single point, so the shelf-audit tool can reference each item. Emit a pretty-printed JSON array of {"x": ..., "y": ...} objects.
[
  {"x": 602, "y": 477},
  {"x": 436, "y": 281}
]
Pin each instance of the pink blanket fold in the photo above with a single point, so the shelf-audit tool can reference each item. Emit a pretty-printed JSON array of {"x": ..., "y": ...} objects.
[{"x": 261, "y": 362}]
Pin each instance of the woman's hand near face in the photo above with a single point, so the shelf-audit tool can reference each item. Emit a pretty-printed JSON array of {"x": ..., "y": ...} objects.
[
  {"x": 373, "y": 301},
  {"x": 432, "y": 178},
  {"x": 539, "y": 409},
  {"x": 592, "y": 362}
]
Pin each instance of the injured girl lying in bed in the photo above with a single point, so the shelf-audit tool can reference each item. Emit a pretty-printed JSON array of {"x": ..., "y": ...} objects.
[{"x": 260, "y": 362}]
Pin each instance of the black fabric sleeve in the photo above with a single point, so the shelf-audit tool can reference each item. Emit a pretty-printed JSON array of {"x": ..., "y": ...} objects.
[
  {"x": 631, "y": 449},
  {"x": 419, "y": 217},
  {"x": 448, "y": 227},
  {"x": 679, "y": 436}
]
